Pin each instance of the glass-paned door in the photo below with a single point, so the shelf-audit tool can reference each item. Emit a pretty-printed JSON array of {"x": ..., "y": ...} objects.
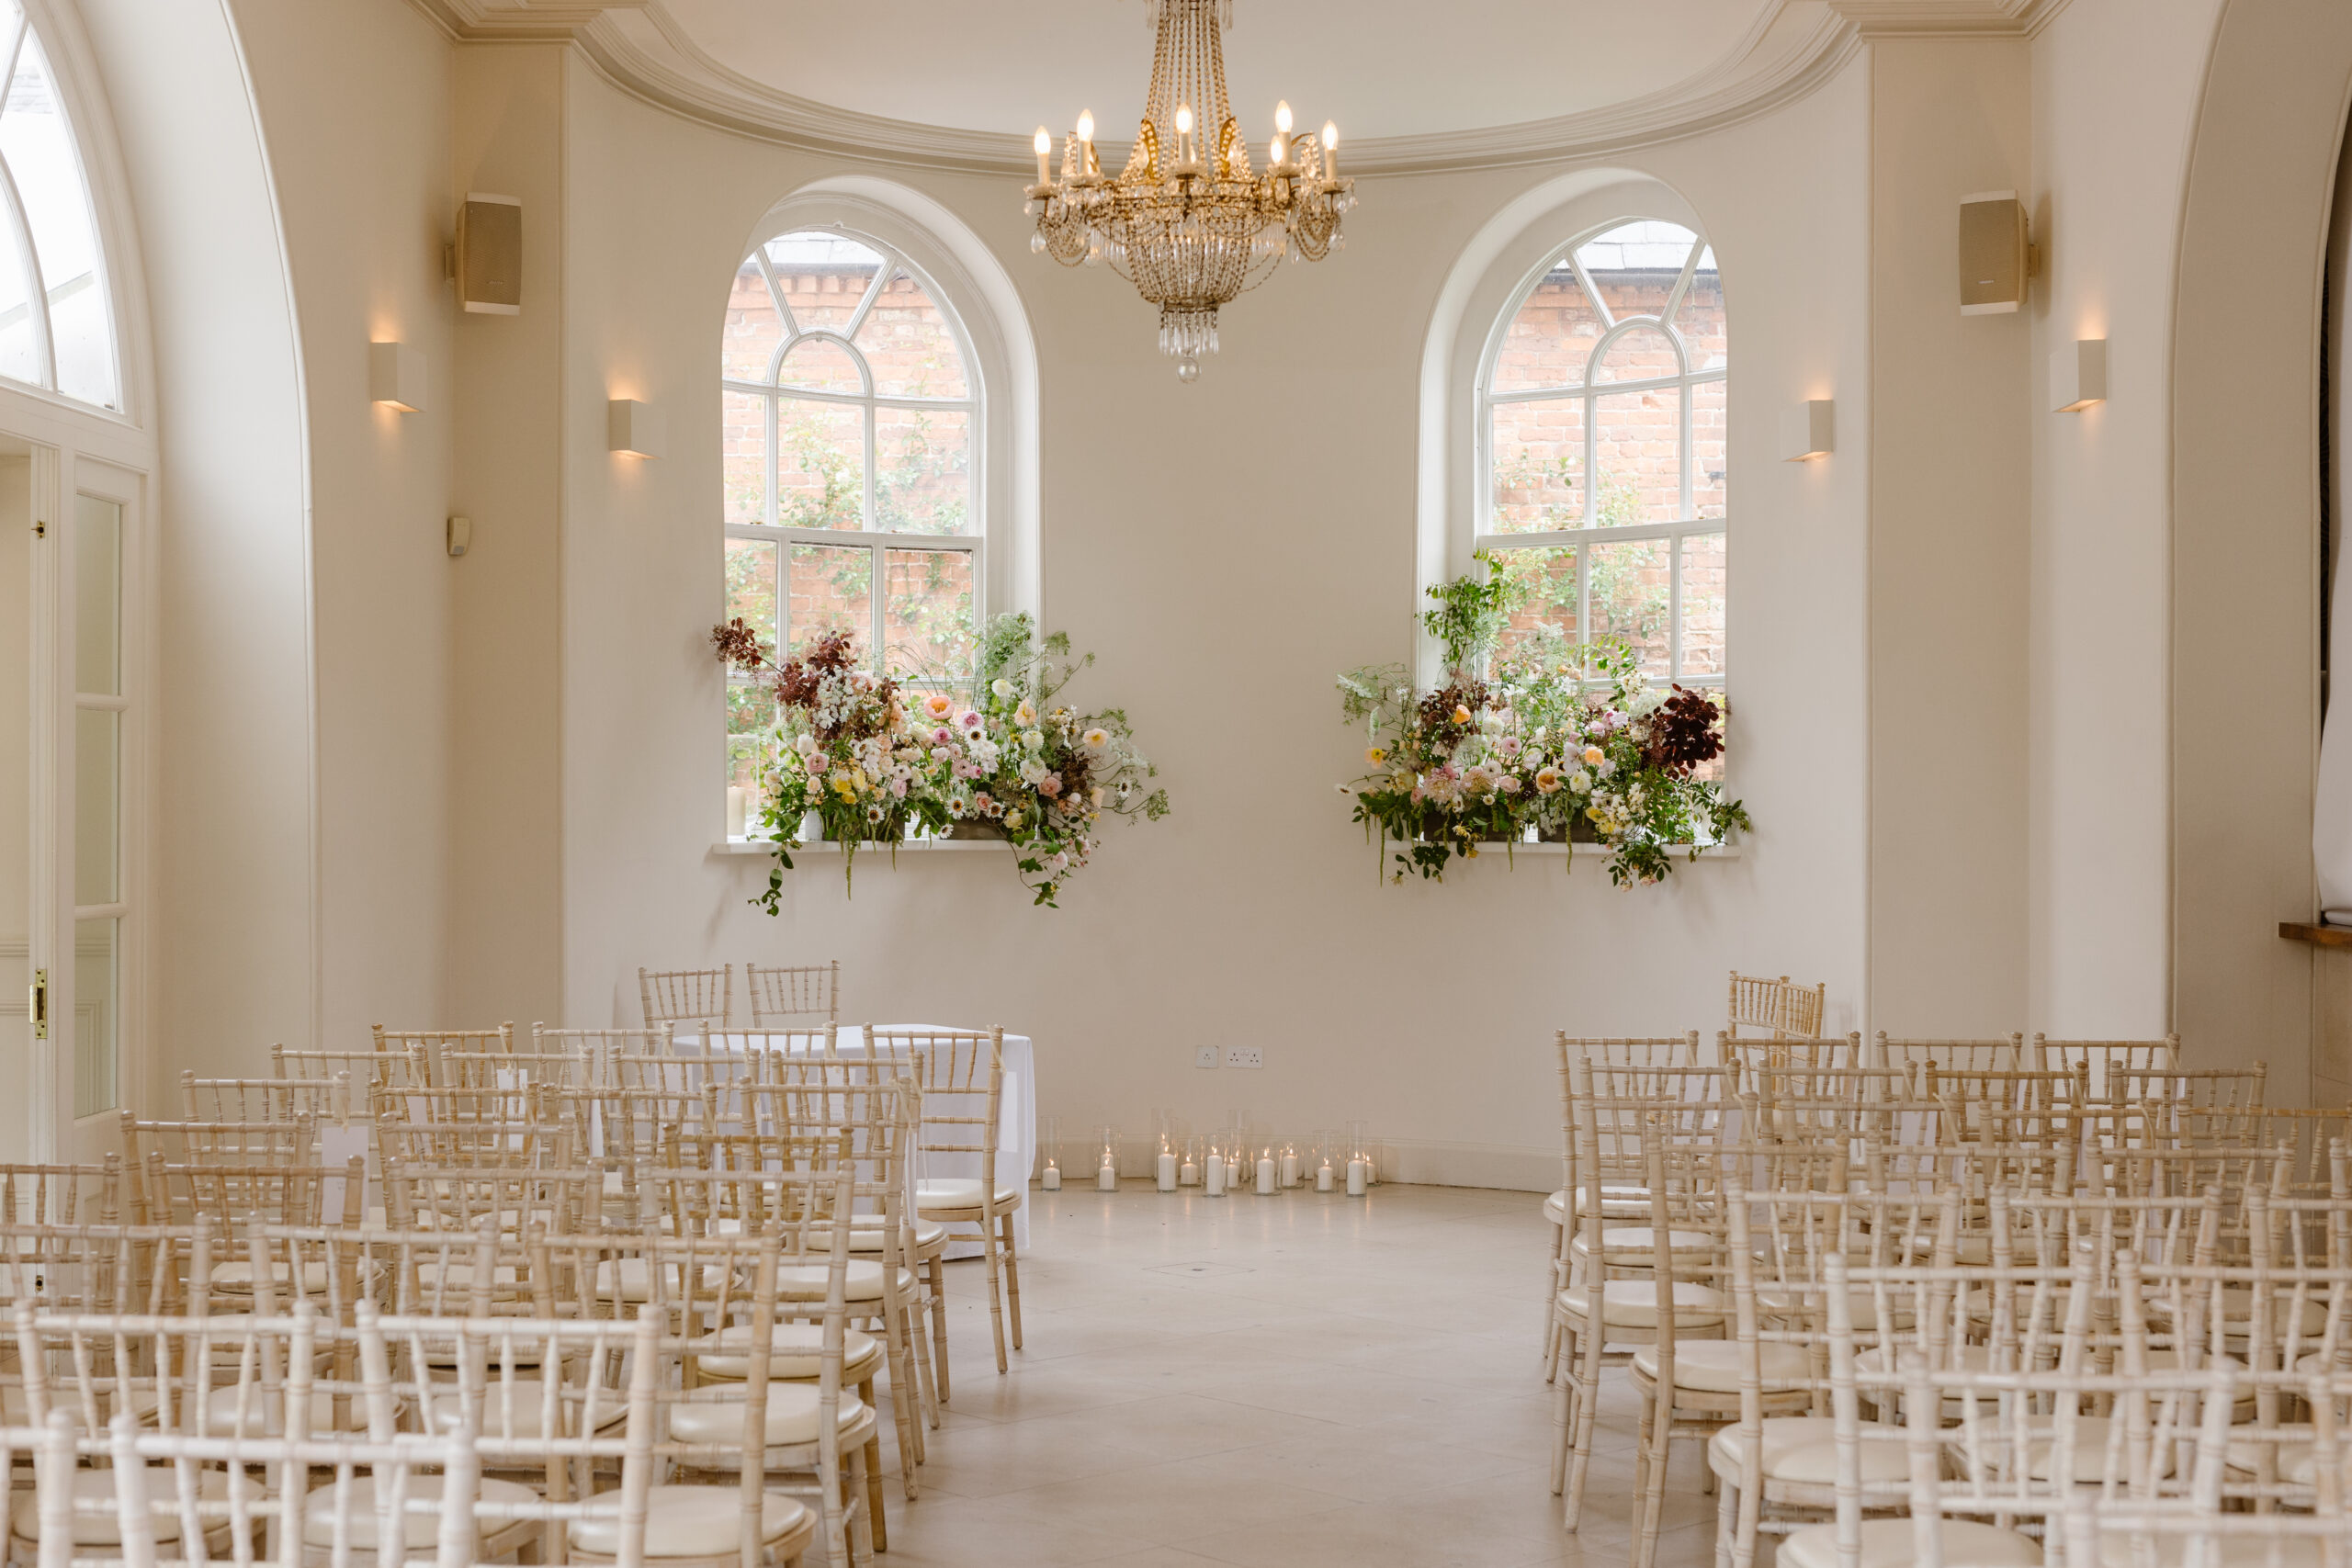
[{"x": 70, "y": 748}]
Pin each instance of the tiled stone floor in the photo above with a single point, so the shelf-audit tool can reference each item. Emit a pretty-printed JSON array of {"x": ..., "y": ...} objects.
[{"x": 1275, "y": 1382}]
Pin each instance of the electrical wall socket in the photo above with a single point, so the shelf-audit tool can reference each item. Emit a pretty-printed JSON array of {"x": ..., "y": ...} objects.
[
  {"x": 1245, "y": 1055},
  {"x": 1205, "y": 1056}
]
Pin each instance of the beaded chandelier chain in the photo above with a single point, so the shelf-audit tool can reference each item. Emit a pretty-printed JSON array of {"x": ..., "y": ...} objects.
[{"x": 1191, "y": 227}]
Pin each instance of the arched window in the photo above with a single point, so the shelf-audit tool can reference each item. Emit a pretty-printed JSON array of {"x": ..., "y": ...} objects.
[
  {"x": 853, "y": 437},
  {"x": 56, "y": 316},
  {"x": 1602, "y": 445}
]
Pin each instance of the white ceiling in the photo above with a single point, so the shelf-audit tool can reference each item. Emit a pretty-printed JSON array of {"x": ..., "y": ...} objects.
[{"x": 1382, "y": 68}]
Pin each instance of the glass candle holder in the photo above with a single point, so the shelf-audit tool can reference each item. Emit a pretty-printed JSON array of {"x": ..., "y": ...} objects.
[
  {"x": 1106, "y": 1170},
  {"x": 1050, "y": 1178}
]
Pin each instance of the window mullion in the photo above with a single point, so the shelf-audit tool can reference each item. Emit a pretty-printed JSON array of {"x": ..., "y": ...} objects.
[
  {"x": 771, "y": 438},
  {"x": 880, "y": 565},
  {"x": 1674, "y": 609}
]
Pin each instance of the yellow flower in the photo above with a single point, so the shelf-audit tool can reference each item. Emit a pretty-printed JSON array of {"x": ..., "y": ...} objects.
[
  {"x": 1375, "y": 755},
  {"x": 1461, "y": 714},
  {"x": 1593, "y": 757}
]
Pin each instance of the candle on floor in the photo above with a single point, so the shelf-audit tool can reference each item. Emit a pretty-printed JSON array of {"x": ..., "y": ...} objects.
[
  {"x": 1106, "y": 1177},
  {"x": 1266, "y": 1174},
  {"x": 1215, "y": 1181},
  {"x": 1356, "y": 1173},
  {"x": 1166, "y": 1169},
  {"x": 1188, "y": 1174},
  {"x": 1290, "y": 1166},
  {"x": 1052, "y": 1180},
  {"x": 1323, "y": 1177}
]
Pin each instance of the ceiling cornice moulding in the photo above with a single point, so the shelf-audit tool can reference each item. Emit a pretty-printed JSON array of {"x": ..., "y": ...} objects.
[
  {"x": 1948, "y": 18},
  {"x": 1793, "y": 48},
  {"x": 525, "y": 21}
]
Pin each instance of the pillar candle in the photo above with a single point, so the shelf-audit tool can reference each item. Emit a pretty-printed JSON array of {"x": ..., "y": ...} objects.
[
  {"x": 1052, "y": 1180},
  {"x": 738, "y": 800},
  {"x": 1323, "y": 1177},
  {"x": 1265, "y": 1176},
  {"x": 1217, "y": 1175},
  {"x": 1355, "y": 1178},
  {"x": 1167, "y": 1171},
  {"x": 1106, "y": 1179},
  {"x": 1189, "y": 1175},
  {"x": 1290, "y": 1168}
]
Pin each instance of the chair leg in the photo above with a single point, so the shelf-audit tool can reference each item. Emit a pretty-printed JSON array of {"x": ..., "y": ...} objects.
[
  {"x": 1011, "y": 1281},
  {"x": 1563, "y": 1414},
  {"x": 1550, "y": 1318},
  {"x": 879, "y": 1524},
  {"x": 1658, "y": 1448},
  {"x": 1727, "y": 1520},
  {"x": 861, "y": 1524},
  {"x": 939, "y": 1323},
  {"x": 918, "y": 1352},
  {"x": 996, "y": 1291},
  {"x": 1583, "y": 1348},
  {"x": 906, "y": 1415}
]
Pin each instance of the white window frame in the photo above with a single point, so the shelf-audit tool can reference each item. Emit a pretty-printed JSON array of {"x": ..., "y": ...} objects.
[
  {"x": 877, "y": 542},
  {"x": 1588, "y": 390}
]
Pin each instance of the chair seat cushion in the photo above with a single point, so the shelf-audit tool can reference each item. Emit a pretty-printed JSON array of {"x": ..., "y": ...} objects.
[
  {"x": 420, "y": 1527},
  {"x": 1617, "y": 1203},
  {"x": 95, "y": 1522},
  {"x": 1801, "y": 1450},
  {"x": 1633, "y": 1303},
  {"x": 1862, "y": 1305},
  {"x": 238, "y": 1278},
  {"x": 2092, "y": 1434},
  {"x": 516, "y": 1411},
  {"x": 265, "y": 1414},
  {"x": 690, "y": 1521},
  {"x": 798, "y": 1355},
  {"x": 716, "y": 1416},
  {"x": 928, "y": 1235},
  {"x": 962, "y": 1195},
  {"x": 2237, "y": 1313},
  {"x": 2118, "y": 1549},
  {"x": 805, "y": 1281},
  {"x": 2298, "y": 1462},
  {"x": 1887, "y": 1543},
  {"x": 1632, "y": 1246},
  {"x": 1712, "y": 1366}
]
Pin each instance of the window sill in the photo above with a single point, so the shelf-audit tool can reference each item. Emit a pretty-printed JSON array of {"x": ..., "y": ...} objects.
[
  {"x": 2318, "y": 936},
  {"x": 764, "y": 848},
  {"x": 1706, "y": 851}
]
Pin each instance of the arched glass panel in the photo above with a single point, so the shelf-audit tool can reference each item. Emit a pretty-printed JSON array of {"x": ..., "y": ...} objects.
[
  {"x": 66, "y": 339},
  {"x": 1604, "y": 487},
  {"x": 850, "y": 468}
]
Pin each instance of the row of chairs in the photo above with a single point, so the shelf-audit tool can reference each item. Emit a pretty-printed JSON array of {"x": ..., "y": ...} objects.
[
  {"x": 1703, "y": 1202},
  {"x": 777, "y": 996}
]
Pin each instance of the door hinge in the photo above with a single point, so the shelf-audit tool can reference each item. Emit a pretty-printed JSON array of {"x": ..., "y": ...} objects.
[{"x": 37, "y": 1004}]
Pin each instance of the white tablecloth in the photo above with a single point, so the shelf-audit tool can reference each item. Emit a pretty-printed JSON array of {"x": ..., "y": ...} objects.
[{"x": 1016, "y": 1146}]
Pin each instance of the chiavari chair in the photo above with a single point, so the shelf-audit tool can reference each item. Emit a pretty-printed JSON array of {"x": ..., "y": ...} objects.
[
  {"x": 523, "y": 1126},
  {"x": 171, "y": 1498},
  {"x": 369, "y": 1070},
  {"x": 294, "y": 1142},
  {"x": 2006, "y": 1054},
  {"x": 432, "y": 1042},
  {"x": 1790, "y": 1051},
  {"x": 230, "y": 1198},
  {"x": 1625, "y": 1199},
  {"x": 2103, "y": 1056},
  {"x": 781, "y": 996},
  {"x": 960, "y": 1075},
  {"x": 160, "y": 1270},
  {"x": 704, "y": 998},
  {"x": 63, "y": 1194},
  {"x": 269, "y": 1100},
  {"x": 1780, "y": 1009},
  {"x": 515, "y": 1199}
]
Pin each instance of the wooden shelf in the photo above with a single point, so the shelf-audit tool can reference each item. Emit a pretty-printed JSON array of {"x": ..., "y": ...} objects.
[{"x": 2318, "y": 936}]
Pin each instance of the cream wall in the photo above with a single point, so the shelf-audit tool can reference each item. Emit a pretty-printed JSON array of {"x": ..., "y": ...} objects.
[
  {"x": 356, "y": 105},
  {"x": 1947, "y": 550},
  {"x": 2115, "y": 91},
  {"x": 1222, "y": 576}
]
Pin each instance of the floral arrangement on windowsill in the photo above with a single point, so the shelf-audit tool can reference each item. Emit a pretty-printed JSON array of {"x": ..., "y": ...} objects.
[
  {"x": 1565, "y": 740},
  {"x": 874, "y": 757}
]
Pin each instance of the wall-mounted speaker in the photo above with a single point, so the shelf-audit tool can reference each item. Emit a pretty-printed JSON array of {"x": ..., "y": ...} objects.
[
  {"x": 490, "y": 254},
  {"x": 1995, "y": 259}
]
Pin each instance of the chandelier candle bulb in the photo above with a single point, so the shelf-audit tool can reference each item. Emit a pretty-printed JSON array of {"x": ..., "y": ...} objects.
[
  {"x": 1045, "y": 156},
  {"x": 1281, "y": 116},
  {"x": 1330, "y": 155}
]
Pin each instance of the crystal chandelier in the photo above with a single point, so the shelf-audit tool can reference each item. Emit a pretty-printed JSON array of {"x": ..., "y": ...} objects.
[{"x": 1191, "y": 226}]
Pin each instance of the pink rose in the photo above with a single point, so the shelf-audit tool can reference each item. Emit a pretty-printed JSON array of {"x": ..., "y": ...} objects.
[{"x": 1050, "y": 785}]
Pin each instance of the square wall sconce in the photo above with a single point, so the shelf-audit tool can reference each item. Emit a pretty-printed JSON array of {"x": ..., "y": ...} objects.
[
  {"x": 395, "y": 375},
  {"x": 635, "y": 428},
  {"x": 1809, "y": 431},
  {"x": 2078, "y": 375}
]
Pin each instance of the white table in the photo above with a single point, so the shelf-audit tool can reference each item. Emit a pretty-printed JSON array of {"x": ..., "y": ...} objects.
[{"x": 1016, "y": 1146}]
